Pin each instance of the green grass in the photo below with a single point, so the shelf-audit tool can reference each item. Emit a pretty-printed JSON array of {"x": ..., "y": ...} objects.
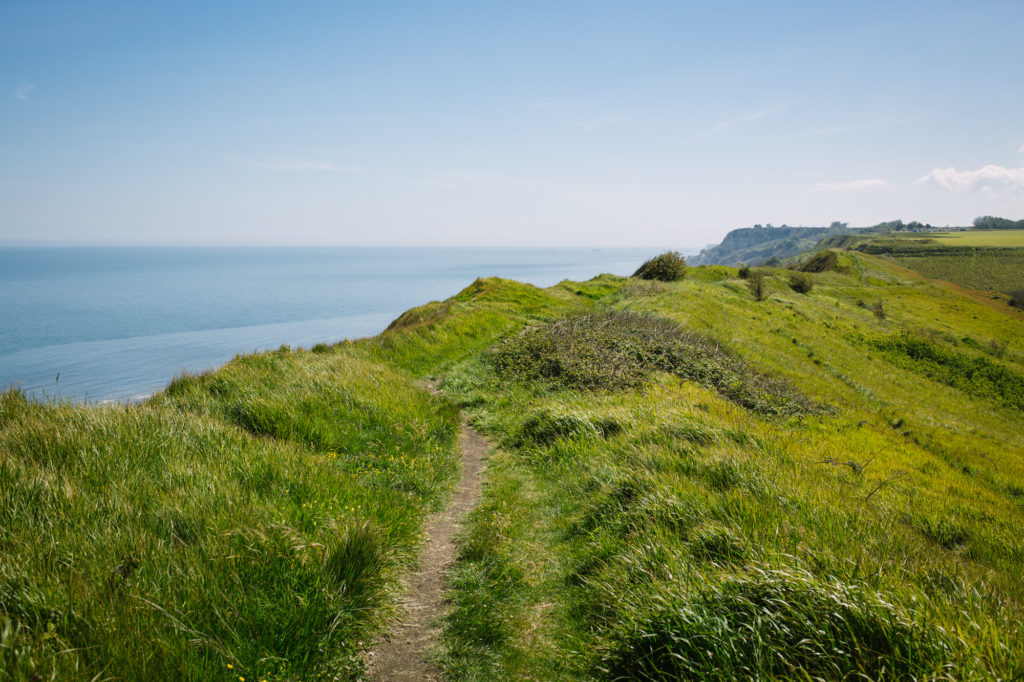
[
  {"x": 980, "y": 238},
  {"x": 985, "y": 260},
  {"x": 253, "y": 521},
  {"x": 249, "y": 522},
  {"x": 662, "y": 531}
]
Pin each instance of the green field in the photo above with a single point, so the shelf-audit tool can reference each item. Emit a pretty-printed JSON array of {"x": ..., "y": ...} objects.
[
  {"x": 689, "y": 483},
  {"x": 986, "y": 260},
  {"x": 980, "y": 238}
]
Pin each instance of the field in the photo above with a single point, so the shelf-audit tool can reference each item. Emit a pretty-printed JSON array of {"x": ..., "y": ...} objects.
[
  {"x": 990, "y": 261},
  {"x": 689, "y": 483},
  {"x": 980, "y": 238}
]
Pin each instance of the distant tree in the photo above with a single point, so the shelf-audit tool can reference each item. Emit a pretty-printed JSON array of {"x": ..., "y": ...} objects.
[
  {"x": 989, "y": 222},
  {"x": 836, "y": 225}
]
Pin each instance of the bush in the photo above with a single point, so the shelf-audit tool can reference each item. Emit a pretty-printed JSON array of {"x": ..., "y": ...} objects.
[
  {"x": 801, "y": 283},
  {"x": 824, "y": 261},
  {"x": 617, "y": 350},
  {"x": 744, "y": 271},
  {"x": 668, "y": 267},
  {"x": 1017, "y": 298},
  {"x": 757, "y": 285}
]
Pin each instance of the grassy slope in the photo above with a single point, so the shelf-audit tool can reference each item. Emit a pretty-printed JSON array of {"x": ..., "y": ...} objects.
[
  {"x": 991, "y": 260},
  {"x": 249, "y": 522},
  {"x": 271, "y": 504},
  {"x": 696, "y": 536},
  {"x": 980, "y": 237}
]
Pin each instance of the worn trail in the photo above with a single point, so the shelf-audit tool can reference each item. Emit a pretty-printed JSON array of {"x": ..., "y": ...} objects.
[{"x": 404, "y": 653}]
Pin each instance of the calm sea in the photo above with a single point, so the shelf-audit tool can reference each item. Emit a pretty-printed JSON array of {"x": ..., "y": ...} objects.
[{"x": 102, "y": 324}]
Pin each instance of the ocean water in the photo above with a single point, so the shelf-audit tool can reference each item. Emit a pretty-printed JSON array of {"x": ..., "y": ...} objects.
[{"x": 102, "y": 324}]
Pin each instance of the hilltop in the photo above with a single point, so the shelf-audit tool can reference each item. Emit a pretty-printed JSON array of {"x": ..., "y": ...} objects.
[{"x": 687, "y": 481}]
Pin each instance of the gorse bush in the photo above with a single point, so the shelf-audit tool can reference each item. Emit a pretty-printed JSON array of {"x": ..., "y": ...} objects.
[
  {"x": 618, "y": 350},
  {"x": 668, "y": 267}
]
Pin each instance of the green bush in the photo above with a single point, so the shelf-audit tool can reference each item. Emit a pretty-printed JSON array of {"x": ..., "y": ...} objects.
[
  {"x": 757, "y": 285},
  {"x": 744, "y": 271},
  {"x": 801, "y": 283},
  {"x": 668, "y": 267},
  {"x": 823, "y": 261}
]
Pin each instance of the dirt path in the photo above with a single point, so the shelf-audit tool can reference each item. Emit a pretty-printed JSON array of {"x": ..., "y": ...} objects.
[{"x": 403, "y": 655}]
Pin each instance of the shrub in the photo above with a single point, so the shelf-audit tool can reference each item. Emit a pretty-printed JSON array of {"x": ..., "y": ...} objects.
[
  {"x": 800, "y": 283},
  {"x": 668, "y": 267},
  {"x": 1017, "y": 298},
  {"x": 757, "y": 285},
  {"x": 823, "y": 261},
  {"x": 617, "y": 350},
  {"x": 878, "y": 309},
  {"x": 744, "y": 271}
]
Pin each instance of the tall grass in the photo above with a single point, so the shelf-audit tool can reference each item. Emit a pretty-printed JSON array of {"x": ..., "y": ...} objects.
[
  {"x": 246, "y": 523},
  {"x": 661, "y": 531}
]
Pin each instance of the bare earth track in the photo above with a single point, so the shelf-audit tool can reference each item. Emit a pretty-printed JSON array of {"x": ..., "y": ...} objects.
[{"x": 404, "y": 653}]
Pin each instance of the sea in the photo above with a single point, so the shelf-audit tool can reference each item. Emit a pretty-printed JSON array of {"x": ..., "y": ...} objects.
[{"x": 116, "y": 324}]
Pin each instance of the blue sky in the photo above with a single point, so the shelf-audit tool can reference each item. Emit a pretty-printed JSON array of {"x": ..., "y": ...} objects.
[{"x": 547, "y": 123}]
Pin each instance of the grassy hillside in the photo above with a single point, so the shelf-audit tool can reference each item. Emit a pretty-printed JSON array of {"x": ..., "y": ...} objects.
[
  {"x": 690, "y": 483},
  {"x": 666, "y": 529},
  {"x": 990, "y": 260},
  {"x": 246, "y": 523}
]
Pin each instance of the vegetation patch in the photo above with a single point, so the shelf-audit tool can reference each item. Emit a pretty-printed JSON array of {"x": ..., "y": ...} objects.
[
  {"x": 668, "y": 267},
  {"x": 618, "y": 350},
  {"x": 776, "y": 623},
  {"x": 801, "y": 283},
  {"x": 546, "y": 425},
  {"x": 823, "y": 261},
  {"x": 973, "y": 374}
]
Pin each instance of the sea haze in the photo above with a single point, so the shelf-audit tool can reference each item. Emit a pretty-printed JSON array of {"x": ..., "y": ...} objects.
[{"x": 120, "y": 323}]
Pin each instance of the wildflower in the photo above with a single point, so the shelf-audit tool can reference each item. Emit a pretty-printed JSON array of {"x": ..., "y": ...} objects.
[{"x": 230, "y": 667}]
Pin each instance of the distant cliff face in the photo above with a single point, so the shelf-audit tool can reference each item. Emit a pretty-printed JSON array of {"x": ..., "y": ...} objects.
[{"x": 755, "y": 245}]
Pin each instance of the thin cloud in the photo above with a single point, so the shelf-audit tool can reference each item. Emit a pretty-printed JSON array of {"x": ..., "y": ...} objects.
[
  {"x": 601, "y": 122},
  {"x": 850, "y": 185},
  {"x": 990, "y": 180},
  {"x": 22, "y": 91},
  {"x": 731, "y": 122},
  {"x": 306, "y": 165},
  {"x": 1021, "y": 150},
  {"x": 853, "y": 127}
]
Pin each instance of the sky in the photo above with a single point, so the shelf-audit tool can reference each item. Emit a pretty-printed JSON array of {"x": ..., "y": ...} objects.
[{"x": 501, "y": 123}]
